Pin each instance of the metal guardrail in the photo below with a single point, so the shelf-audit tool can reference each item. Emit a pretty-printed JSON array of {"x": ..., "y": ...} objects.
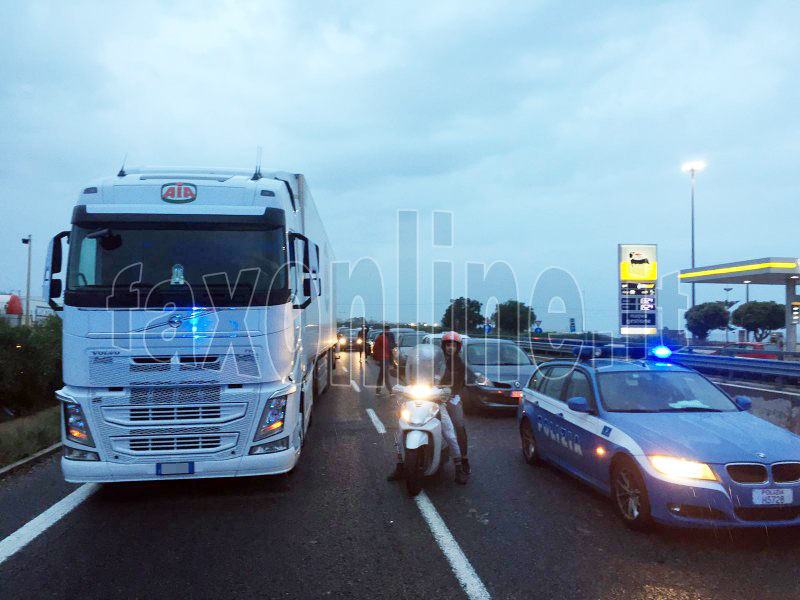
[
  {"x": 781, "y": 371},
  {"x": 761, "y": 368}
]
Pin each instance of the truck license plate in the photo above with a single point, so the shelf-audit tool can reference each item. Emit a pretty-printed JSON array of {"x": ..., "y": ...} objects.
[
  {"x": 178, "y": 468},
  {"x": 772, "y": 496}
]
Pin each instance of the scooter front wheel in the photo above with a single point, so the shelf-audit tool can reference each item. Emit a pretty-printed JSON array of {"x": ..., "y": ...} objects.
[{"x": 415, "y": 470}]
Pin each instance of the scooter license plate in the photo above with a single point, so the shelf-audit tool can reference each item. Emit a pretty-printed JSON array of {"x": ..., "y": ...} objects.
[{"x": 177, "y": 468}]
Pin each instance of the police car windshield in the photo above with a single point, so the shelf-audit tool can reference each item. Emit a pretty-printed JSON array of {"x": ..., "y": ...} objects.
[
  {"x": 637, "y": 391},
  {"x": 495, "y": 353}
]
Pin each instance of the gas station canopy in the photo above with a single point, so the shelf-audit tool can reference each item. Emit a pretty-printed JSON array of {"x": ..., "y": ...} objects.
[{"x": 771, "y": 271}]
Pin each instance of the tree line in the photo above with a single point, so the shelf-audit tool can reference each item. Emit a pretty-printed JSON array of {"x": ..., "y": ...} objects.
[{"x": 510, "y": 317}]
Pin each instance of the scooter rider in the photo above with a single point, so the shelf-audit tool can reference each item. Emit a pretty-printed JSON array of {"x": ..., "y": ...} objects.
[
  {"x": 448, "y": 431},
  {"x": 455, "y": 376}
]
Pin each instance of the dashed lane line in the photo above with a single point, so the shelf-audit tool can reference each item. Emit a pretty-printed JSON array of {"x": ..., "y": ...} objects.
[
  {"x": 34, "y": 528},
  {"x": 355, "y": 386},
  {"x": 376, "y": 421},
  {"x": 470, "y": 582}
]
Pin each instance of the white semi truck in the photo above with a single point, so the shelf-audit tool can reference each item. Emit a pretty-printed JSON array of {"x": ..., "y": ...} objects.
[{"x": 199, "y": 326}]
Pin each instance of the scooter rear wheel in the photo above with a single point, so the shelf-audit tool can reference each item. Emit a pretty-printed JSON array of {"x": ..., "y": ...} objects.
[{"x": 415, "y": 470}]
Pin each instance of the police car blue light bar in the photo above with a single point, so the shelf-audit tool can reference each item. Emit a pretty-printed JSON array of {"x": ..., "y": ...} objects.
[{"x": 661, "y": 352}]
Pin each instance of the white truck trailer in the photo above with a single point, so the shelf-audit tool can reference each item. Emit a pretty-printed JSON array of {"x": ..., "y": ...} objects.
[{"x": 199, "y": 326}]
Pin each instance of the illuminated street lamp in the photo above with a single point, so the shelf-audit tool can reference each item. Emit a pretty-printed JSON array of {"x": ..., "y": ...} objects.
[{"x": 692, "y": 167}]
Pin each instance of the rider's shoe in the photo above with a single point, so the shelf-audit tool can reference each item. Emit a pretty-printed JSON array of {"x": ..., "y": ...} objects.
[
  {"x": 461, "y": 475},
  {"x": 398, "y": 473}
]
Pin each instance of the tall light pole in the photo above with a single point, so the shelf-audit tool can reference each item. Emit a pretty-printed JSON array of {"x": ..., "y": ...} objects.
[
  {"x": 692, "y": 167},
  {"x": 727, "y": 291},
  {"x": 27, "y": 319}
]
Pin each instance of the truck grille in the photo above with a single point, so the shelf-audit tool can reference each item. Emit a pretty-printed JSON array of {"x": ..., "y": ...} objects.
[
  {"x": 138, "y": 424},
  {"x": 175, "y": 395},
  {"x": 241, "y": 366},
  {"x": 747, "y": 473},
  {"x": 174, "y": 443},
  {"x": 175, "y": 413}
]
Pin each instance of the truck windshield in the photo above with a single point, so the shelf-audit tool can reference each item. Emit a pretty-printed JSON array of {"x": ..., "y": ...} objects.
[{"x": 150, "y": 265}]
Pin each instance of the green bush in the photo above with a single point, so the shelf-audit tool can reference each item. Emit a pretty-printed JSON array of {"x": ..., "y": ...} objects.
[{"x": 30, "y": 365}]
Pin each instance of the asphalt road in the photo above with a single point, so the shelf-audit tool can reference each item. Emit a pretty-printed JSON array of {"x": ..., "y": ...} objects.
[{"x": 336, "y": 529}]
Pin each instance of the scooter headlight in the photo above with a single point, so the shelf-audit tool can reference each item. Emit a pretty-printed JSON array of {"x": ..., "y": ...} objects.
[
  {"x": 421, "y": 392},
  {"x": 411, "y": 413}
]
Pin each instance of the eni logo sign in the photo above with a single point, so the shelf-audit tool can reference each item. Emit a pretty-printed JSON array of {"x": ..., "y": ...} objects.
[{"x": 178, "y": 193}]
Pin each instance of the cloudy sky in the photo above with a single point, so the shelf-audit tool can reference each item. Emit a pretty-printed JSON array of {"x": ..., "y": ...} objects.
[{"x": 552, "y": 131}]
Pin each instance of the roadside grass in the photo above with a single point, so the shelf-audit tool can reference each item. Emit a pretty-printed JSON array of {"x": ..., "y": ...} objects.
[{"x": 27, "y": 435}]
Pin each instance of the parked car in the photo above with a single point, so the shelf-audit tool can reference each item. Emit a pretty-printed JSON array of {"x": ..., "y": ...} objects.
[
  {"x": 663, "y": 442},
  {"x": 496, "y": 372},
  {"x": 349, "y": 339}
]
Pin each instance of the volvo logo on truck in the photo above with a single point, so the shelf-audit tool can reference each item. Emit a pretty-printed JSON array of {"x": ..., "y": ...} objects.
[{"x": 178, "y": 193}]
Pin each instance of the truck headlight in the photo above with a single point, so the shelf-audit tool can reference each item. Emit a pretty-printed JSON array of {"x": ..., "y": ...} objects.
[
  {"x": 75, "y": 426},
  {"x": 272, "y": 418},
  {"x": 407, "y": 414},
  {"x": 682, "y": 468}
]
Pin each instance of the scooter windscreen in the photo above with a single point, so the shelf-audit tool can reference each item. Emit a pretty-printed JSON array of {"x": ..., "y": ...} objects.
[{"x": 424, "y": 362}]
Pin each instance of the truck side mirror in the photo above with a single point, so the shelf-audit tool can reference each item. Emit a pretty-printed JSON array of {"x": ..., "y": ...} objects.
[
  {"x": 51, "y": 287},
  {"x": 305, "y": 272}
]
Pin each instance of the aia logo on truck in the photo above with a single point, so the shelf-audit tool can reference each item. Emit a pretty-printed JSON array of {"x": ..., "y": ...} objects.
[{"x": 178, "y": 193}]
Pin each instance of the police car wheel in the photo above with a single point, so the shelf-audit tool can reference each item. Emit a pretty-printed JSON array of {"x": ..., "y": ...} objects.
[
  {"x": 630, "y": 495},
  {"x": 530, "y": 450}
]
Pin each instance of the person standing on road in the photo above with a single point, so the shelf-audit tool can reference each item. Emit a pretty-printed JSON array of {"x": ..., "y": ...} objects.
[
  {"x": 454, "y": 377},
  {"x": 363, "y": 337},
  {"x": 383, "y": 354}
]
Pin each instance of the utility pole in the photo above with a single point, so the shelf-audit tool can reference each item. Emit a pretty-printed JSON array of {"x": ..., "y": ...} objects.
[{"x": 27, "y": 320}]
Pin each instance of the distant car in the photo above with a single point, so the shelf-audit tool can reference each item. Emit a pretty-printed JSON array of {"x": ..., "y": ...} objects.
[
  {"x": 496, "y": 372},
  {"x": 405, "y": 343},
  {"x": 750, "y": 350},
  {"x": 349, "y": 339},
  {"x": 663, "y": 442},
  {"x": 436, "y": 338}
]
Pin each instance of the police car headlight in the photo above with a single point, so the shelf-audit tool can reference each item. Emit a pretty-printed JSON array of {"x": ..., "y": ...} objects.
[
  {"x": 682, "y": 468},
  {"x": 407, "y": 414}
]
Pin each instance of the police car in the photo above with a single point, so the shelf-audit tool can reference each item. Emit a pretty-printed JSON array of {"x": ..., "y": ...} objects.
[{"x": 663, "y": 442}]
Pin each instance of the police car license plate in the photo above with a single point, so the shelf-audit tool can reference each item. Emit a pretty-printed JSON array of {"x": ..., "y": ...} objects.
[
  {"x": 178, "y": 468},
  {"x": 772, "y": 496}
]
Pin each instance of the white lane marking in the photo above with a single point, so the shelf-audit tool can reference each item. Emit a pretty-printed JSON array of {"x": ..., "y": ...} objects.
[
  {"x": 354, "y": 385},
  {"x": 466, "y": 575},
  {"x": 376, "y": 421},
  {"x": 34, "y": 528},
  {"x": 344, "y": 368}
]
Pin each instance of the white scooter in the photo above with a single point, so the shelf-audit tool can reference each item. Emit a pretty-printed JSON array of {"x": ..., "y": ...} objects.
[{"x": 421, "y": 441}]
